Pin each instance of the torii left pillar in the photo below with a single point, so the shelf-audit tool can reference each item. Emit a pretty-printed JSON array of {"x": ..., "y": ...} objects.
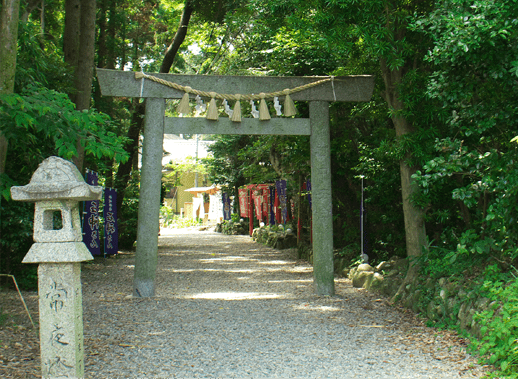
[
  {"x": 347, "y": 88},
  {"x": 149, "y": 199}
]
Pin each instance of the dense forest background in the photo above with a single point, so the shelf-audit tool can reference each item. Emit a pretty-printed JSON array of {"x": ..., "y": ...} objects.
[{"x": 436, "y": 146}]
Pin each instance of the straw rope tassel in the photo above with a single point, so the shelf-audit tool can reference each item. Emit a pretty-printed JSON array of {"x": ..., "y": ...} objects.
[
  {"x": 183, "y": 107},
  {"x": 264, "y": 114},
  {"x": 236, "y": 116},
  {"x": 289, "y": 106},
  {"x": 212, "y": 111}
]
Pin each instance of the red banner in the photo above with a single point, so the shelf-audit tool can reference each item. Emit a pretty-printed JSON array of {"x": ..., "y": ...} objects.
[{"x": 243, "y": 202}]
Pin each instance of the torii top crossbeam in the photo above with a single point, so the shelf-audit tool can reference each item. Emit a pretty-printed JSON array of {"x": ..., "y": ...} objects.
[{"x": 340, "y": 88}]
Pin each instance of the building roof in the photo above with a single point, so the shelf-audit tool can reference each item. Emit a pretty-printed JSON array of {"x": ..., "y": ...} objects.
[{"x": 210, "y": 190}]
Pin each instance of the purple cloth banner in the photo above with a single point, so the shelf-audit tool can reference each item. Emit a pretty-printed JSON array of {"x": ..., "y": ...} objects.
[
  {"x": 281, "y": 191},
  {"x": 91, "y": 219},
  {"x": 111, "y": 229},
  {"x": 226, "y": 206},
  {"x": 272, "y": 205}
]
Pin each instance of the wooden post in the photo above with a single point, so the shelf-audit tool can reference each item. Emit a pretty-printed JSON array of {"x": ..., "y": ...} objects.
[
  {"x": 323, "y": 270},
  {"x": 149, "y": 200}
]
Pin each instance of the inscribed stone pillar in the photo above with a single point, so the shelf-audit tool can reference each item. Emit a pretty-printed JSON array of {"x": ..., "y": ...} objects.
[
  {"x": 61, "y": 320},
  {"x": 322, "y": 207},
  {"x": 149, "y": 199}
]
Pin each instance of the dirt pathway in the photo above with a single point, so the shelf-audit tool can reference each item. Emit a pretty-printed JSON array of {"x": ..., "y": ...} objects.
[{"x": 228, "y": 307}]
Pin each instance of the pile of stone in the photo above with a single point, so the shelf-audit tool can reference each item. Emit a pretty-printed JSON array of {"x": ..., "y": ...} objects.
[
  {"x": 276, "y": 236},
  {"x": 385, "y": 278},
  {"x": 438, "y": 299},
  {"x": 232, "y": 228}
]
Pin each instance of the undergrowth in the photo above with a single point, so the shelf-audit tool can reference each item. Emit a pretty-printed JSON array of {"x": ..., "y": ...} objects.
[
  {"x": 498, "y": 340},
  {"x": 171, "y": 220}
]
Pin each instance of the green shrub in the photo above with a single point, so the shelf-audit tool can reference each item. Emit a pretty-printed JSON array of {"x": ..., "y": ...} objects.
[
  {"x": 171, "y": 220},
  {"x": 499, "y": 342}
]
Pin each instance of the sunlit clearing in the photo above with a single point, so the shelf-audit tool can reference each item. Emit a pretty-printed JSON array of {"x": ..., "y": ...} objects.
[
  {"x": 321, "y": 308},
  {"x": 291, "y": 281},
  {"x": 277, "y": 263},
  {"x": 227, "y": 259},
  {"x": 234, "y": 296},
  {"x": 130, "y": 266},
  {"x": 301, "y": 269},
  {"x": 209, "y": 270}
]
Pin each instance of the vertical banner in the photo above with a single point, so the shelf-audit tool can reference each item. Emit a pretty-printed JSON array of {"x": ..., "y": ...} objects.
[
  {"x": 258, "y": 203},
  {"x": 271, "y": 202},
  {"x": 111, "y": 229},
  {"x": 281, "y": 190},
  {"x": 243, "y": 202},
  {"x": 263, "y": 194},
  {"x": 226, "y": 206},
  {"x": 91, "y": 219},
  {"x": 308, "y": 188},
  {"x": 216, "y": 207}
]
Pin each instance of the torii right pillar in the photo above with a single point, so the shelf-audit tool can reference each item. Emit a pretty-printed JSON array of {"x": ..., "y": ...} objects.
[{"x": 321, "y": 198}]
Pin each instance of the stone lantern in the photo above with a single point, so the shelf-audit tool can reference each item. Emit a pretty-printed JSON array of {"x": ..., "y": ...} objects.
[{"x": 57, "y": 187}]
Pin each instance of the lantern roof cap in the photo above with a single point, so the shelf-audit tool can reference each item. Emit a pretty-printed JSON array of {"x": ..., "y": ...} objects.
[{"x": 56, "y": 179}]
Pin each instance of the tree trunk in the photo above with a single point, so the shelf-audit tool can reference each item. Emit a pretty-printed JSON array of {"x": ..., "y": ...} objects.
[
  {"x": 71, "y": 34},
  {"x": 124, "y": 171},
  {"x": 85, "y": 66},
  {"x": 30, "y": 5},
  {"x": 102, "y": 48},
  {"x": 415, "y": 231},
  {"x": 178, "y": 39},
  {"x": 9, "y": 17}
]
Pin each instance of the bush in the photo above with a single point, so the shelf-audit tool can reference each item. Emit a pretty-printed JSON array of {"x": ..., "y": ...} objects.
[
  {"x": 16, "y": 224},
  {"x": 499, "y": 342},
  {"x": 128, "y": 216},
  {"x": 171, "y": 220}
]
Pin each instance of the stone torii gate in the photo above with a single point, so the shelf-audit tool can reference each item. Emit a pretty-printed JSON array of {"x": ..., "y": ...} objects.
[{"x": 345, "y": 88}]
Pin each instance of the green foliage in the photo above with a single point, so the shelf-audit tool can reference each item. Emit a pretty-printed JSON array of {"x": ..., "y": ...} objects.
[
  {"x": 234, "y": 217},
  {"x": 16, "y": 224},
  {"x": 39, "y": 62},
  {"x": 128, "y": 216},
  {"x": 174, "y": 170},
  {"x": 170, "y": 220},
  {"x": 499, "y": 342},
  {"x": 42, "y": 114}
]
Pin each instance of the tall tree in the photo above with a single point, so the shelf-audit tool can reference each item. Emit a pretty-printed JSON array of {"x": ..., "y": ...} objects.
[
  {"x": 9, "y": 16},
  {"x": 381, "y": 29},
  {"x": 79, "y": 51},
  {"x": 135, "y": 128}
]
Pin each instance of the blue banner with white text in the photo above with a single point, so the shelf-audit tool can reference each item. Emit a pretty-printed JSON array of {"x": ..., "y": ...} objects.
[
  {"x": 111, "y": 230},
  {"x": 91, "y": 219},
  {"x": 280, "y": 185}
]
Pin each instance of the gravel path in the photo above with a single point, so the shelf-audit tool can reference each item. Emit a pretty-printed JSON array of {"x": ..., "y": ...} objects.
[{"x": 227, "y": 307}]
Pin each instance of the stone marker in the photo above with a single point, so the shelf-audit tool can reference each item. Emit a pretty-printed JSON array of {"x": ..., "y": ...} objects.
[{"x": 57, "y": 187}]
